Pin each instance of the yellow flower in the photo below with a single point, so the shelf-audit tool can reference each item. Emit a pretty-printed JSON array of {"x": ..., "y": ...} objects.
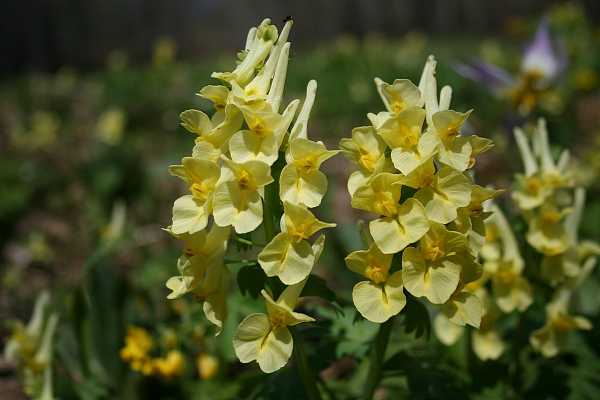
[
  {"x": 433, "y": 268},
  {"x": 400, "y": 95},
  {"x": 217, "y": 94},
  {"x": 301, "y": 182},
  {"x": 367, "y": 151},
  {"x": 212, "y": 132},
  {"x": 402, "y": 130},
  {"x": 470, "y": 220},
  {"x": 265, "y": 338},
  {"x": 551, "y": 338},
  {"x": 258, "y": 46},
  {"x": 547, "y": 232},
  {"x": 454, "y": 150},
  {"x": 478, "y": 145},
  {"x": 447, "y": 332},
  {"x": 487, "y": 344},
  {"x": 207, "y": 365},
  {"x": 190, "y": 212},
  {"x": 382, "y": 296},
  {"x": 289, "y": 255},
  {"x": 238, "y": 196},
  {"x": 138, "y": 344},
  {"x": 202, "y": 251},
  {"x": 399, "y": 224},
  {"x": 170, "y": 366},
  {"x": 266, "y": 132},
  {"x": 542, "y": 173},
  {"x": 530, "y": 191},
  {"x": 202, "y": 272},
  {"x": 449, "y": 190},
  {"x": 463, "y": 308},
  {"x": 511, "y": 290}
]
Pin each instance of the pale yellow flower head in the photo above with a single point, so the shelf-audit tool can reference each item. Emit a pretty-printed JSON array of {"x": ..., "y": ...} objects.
[
  {"x": 191, "y": 212},
  {"x": 550, "y": 339},
  {"x": 381, "y": 296},
  {"x": 265, "y": 338},
  {"x": 290, "y": 256},
  {"x": 238, "y": 196},
  {"x": 301, "y": 182},
  {"x": 433, "y": 268}
]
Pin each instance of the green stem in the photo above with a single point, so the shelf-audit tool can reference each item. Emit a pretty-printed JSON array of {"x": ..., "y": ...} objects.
[
  {"x": 247, "y": 242},
  {"x": 306, "y": 375},
  {"x": 377, "y": 358},
  {"x": 272, "y": 206},
  {"x": 268, "y": 216}
]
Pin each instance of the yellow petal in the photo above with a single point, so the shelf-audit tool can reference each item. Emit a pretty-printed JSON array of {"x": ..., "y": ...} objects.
[
  {"x": 435, "y": 282},
  {"x": 457, "y": 154},
  {"x": 401, "y": 94},
  {"x": 393, "y": 234},
  {"x": 447, "y": 332},
  {"x": 276, "y": 350},
  {"x": 377, "y": 303},
  {"x": 288, "y": 260},
  {"x": 298, "y": 188},
  {"x": 370, "y": 263},
  {"x": 179, "y": 285},
  {"x": 249, "y": 337},
  {"x": 407, "y": 160},
  {"x": 464, "y": 309},
  {"x": 189, "y": 215},
  {"x": 300, "y": 222},
  {"x": 448, "y": 123},
  {"x": 196, "y": 121},
  {"x": 487, "y": 345},
  {"x": 380, "y": 195},
  {"x": 247, "y": 145},
  {"x": 306, "y": 151},
  {"x": 404, "y": 129},
  {"x": 234, "y": 207}
]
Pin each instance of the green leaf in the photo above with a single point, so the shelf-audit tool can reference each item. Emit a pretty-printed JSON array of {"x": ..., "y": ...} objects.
[
  {"x": 416, "y": 317},
  {"x": 251, "y": 280}
]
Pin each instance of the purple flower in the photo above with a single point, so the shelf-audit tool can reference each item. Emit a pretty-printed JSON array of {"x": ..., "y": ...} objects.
[
  {"x": 494, "y": 78},
  {"x": 541, "y": 57},
  {"x": 542, "y": 62}
]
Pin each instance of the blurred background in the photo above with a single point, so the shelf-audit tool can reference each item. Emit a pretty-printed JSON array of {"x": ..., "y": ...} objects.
[{"x": 90, "y": 96}]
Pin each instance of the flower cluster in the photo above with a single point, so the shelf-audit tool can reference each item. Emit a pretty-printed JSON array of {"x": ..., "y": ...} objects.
[
  {"x": 137, "y": 353},
  {"x": 31, "y": 349},
  {"x": 502, "y": 288},
  {"x": 241, "y": 154},
  {"x": 413, "y": 175},
  {"x": 552, "y": 210}
]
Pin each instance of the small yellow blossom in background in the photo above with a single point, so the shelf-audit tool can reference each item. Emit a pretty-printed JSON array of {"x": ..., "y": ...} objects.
[
  {"x": 110, "y": 125},
  {"x": 164, "y": 51},
  {"x": 551, "y": 338},
  {"x": 138, "y": 349},
  {"x": 169, "y": 366},
  {"x": 412, "y": 174},
  {"x": 136, "y": 352},
  {"x": 31, "y": 349},
  {"x": 553, "y": 209},
  {"x": 207, "y": 366}
]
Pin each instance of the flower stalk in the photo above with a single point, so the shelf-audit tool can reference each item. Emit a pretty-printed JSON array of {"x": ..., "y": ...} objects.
[
  {"x": 306, "y": 375},
  {"x": 377, "y": 358}
]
